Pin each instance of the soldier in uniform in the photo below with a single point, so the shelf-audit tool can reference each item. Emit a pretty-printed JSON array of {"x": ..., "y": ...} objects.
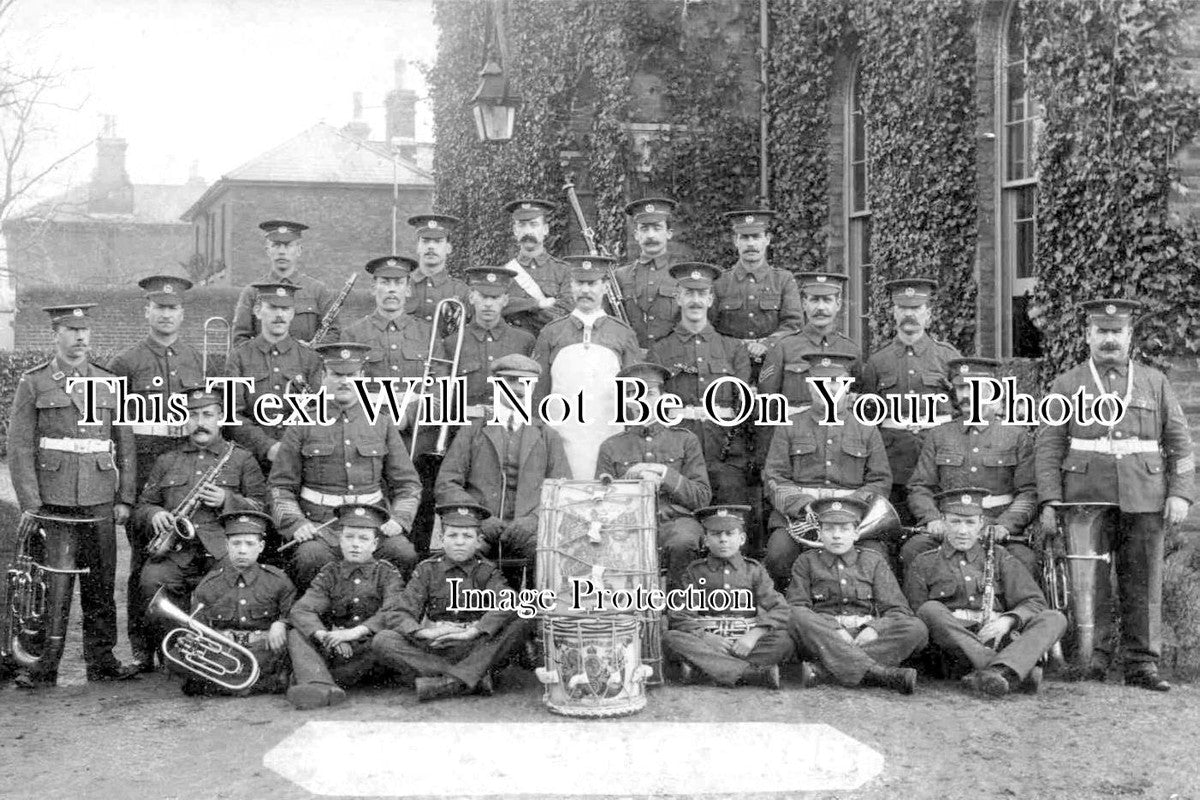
[
  {"x": 430, "y": 283},
  {"x": 947, "y": 587},
  {"x": 1144, "y": 464},
  {"x": 247, "y": 602},
  {"x": 993, "y": 455},
  {"x": 541, "y": 290},
  {"x": 647, "y": 284},
  {"x": 347, "y": 604},
  {"x": 488, "y": 337},
  {"x": 155, "y": 367},
  {"x": 502, "y": 467},
  {"x": 238, "y": 486},
  {"x": 452, "y": 651},
  {"x": 808, "y": 460},
  {"x": 913, "y": 364},
  {"x": 754, "y": 301},
  {"x": 764, "y": 644},
  {"x": 62, "y": 468},
  {"x": 674, "y": 461},
  {"x": 312, "y": 296},
  {"x": 848, "y": 613},
  {"x": 277, "y": 363},
  {"x": 695, "y": 355},
  {"x": 320, "y": 468}
]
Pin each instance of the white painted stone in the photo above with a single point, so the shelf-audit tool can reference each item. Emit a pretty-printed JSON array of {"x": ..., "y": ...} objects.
[{"x": 400, "y": 759}]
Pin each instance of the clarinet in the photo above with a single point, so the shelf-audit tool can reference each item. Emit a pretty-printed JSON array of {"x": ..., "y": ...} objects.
[
  {"x": 987, "y": 602},
  {"x": 334, "y": 308}
]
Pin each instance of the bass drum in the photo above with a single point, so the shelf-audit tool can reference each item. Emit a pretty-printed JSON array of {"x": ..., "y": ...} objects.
[{"x": 586, "y": 371}]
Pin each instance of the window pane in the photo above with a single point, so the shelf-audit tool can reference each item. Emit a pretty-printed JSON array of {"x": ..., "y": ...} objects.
[
  {"x": 1015, "y": 151},
  {"x": 1027, "y": 340},
  {"x": 858, "y": 178},
  {"x": 859, "y": 152},
  {"x": 1016, "y": 92},
  {"x": 1016, "y": 46}
]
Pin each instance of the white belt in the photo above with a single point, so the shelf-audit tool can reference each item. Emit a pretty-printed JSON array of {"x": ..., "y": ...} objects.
[
  {"x": 853, "y": 620},
  {"x": 1115, "y": 446},
  {"x": 792, "y": 410},
  {"x": 996, "y": 500},
  {"x": 968, "y": 615},
  {"x": 920, "y": 426},
  {"x": 698, "y": 412},
  {"x": 157, "y": 430},
  {"x": 335, "y": 500},
  {"x": 76, "y": 445},
  {"x": 478, "y": 412},
  {"x": 827, "y": 491}
]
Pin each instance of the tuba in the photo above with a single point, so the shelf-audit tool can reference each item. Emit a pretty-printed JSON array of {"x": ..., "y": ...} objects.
[
  {"x": 449, "y": 318},
  {"x": 1081, "y": 526},
  {"x": 203, "y": 651},
  {"x": 38, "y": 593},
  {"x": 880, "y": 521},
  {"x": 184, "y": 530}
]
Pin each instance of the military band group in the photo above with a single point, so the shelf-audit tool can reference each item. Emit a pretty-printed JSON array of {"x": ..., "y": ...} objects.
[{"x": 304, "y": 544}]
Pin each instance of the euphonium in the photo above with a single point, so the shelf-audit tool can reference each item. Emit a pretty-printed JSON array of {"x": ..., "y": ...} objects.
[
  {"x": 449, "y": 318},
  {"x": 203, "y": 651},
  {"x": 804, "y": 530},
  {"x": 34, "y": 625},
  {"x": 880, "y": 520},
  {"x": 184, "y": 530},
  {"x": 1081, "y": 526}
]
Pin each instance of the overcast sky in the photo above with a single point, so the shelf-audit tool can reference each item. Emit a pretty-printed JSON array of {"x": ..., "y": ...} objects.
[{"x": 215, "y": 81}]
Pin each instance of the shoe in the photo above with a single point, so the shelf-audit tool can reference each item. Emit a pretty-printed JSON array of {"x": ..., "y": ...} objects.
[
  {"x": 24, "y": 679},
  {"x": 687, "y": 673},
  {"x": 903, "y": 680},
  {"x": 307, "y": 696},
  {"x": 1148, "y": 679},
  {"x": 439, "y": 687},
  {"x": 337, "y": 695},
  {"x": 989, "y": 681},
  {"x": 808, "y": 675},
  {"x": 112, "y": 671},
  {"x": 485, "y": 686},
  {"x": 767, "y": 674},
  {"x": 1033, "y": 681}
]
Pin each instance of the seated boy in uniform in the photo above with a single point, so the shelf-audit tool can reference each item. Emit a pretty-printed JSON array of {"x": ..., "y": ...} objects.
[
  {"x": 343, "y": 609},
  {"x": 848, "y": 612},
  {"x": 947, "y": 587},
  {"x": 755, "y": 641},
  {"x": 248, "y": 602},
  {"x": 451, "y": 651}
]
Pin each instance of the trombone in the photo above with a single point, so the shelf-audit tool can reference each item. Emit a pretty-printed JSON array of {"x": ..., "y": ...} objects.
[
  {"x": 450, "y": 314},
  {"x": 211, "y": 325}
]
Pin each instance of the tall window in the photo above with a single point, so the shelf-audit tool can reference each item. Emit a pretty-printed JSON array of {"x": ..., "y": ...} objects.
[
  {"x": 858, "y": 220},
  {"x": 1019, "y": 114}
]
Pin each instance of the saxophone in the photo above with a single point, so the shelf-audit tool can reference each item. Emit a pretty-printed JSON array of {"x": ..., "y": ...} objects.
[
  {"x": 334, "y": 308},
  {"x": 184, "y": 530}
]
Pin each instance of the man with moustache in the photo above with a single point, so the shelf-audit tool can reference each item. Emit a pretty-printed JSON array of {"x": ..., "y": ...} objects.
[
  {"x": 312, "y": 296},
  {"x": 1143, "y": 465},
  {"x": 61, "y": 468},
  {"x": 646, "y": 283},
  {"x": 276, "y": 362},
  {"x": 754, "y": 301},
  {"x": 913, "y": 364},
  {"x": 695, "y": 355},
  {"x": 430, "y": 283},
  {"x": 154, "y": 368},
  {"x": 488, "y": 338},
  {"x": 238, "y": 486},
  {"x": 351, "y": 461},
  {"x": 541, "y": 283}
]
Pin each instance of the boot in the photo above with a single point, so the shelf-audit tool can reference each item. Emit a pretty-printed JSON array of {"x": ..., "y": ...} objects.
[
  {"x": 764, "y": 674},
  {"x": 687, "y": 673},
  {"x": 1147, "y": 678},
  {"x": 808, "y": 675},
  {"x": 903, "y": 681},
  {"x": 485, "y": 686},
  {"x": 1033, "y": 681},
  {"x": 439, "y": 687},
  {"x": 988, "y": 681},
  {"x": 305, "y": 696}
]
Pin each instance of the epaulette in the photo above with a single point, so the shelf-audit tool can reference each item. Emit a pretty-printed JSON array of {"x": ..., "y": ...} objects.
[
  {"x": 431, "y": 560},
  {"x": 102, "y": 369},
  {"x": 752, "y": 561},
  {"x": 926, "y": 555},
  {"x": 212, "y": 575},
  {"x": 273, "y": 570},
  {"x": 32, "y": 370}
]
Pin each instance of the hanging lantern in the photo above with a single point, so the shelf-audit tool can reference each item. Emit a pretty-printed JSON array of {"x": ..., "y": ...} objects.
[{"x": 494, "y": 106}]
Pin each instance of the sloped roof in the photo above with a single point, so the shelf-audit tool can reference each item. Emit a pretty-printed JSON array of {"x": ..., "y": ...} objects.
[
  {"x": 153, "y": 203},
  {"x": 323, "y": 154}
]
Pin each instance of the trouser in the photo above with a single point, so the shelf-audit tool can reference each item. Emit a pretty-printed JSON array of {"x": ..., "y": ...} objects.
[
  {"x": 310, "y": 665},
  {"x": 816, "y": 635},
  {"x": 178, "y": 574},
  {"x": 783, "y": 550},
  {"x": 923, "y": 542},
  {"x": 96, "y": 551},
  {"x": 466, "y": 661},
  {"x": 427, "y": 467},
  {"x": 1136, "y": 544},
  {"x": 958, "y": 638},
  {"x": 515, "y": 543},
  {"x": 903, "y": 450},
  {"x": 698, "y": 649},
  {"x": 274, "y": 671},
  {"x": 310, "y": 556},
  {"x": 148, "y": 449},
  {"x": 679, "y": 543}
]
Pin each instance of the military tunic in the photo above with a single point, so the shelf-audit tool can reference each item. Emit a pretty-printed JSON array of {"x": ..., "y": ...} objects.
[
  {"x": 313, "y": 299},
  {"x": 649, "y": 292},
  {"x": 855, "y": 590},
  {"x": 686, "y": 638},
  {"x": 996, "y": 457},
  {"x": 481, "y": 346},
  {"x": 428, "y": 596},
  {"x": 553, "y": 277},
  {"x": 1146, "y": 458},
  {"x": 684, "y": 489},
  {"x": 399, "y": 346},
  {"x": 244, "y": 604},
  {"x": 272, "y": 365},
  {"x": 809, "y": 460},
  {"x": 343, "y": 595},
  {"x": 763, "y": 303},
  {"x": 943, "y": 581},
  {"x": 51, "y": 471},
  {"x": 425, "y": 291},
  {"x": 787, "y": 364}
]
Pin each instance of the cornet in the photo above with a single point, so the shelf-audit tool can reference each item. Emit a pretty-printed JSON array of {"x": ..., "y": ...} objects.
[{"x": 204, "y": 651}]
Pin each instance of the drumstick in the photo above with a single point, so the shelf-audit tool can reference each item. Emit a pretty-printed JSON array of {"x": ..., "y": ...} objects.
[{"x": 295, "y": 542}]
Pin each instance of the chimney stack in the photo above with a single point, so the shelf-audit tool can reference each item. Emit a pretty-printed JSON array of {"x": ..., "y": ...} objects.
[
  {"x": 401, "y": 104},
  {"x": 110, "y": 191},
  {"x": 357, "y": 127}
]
